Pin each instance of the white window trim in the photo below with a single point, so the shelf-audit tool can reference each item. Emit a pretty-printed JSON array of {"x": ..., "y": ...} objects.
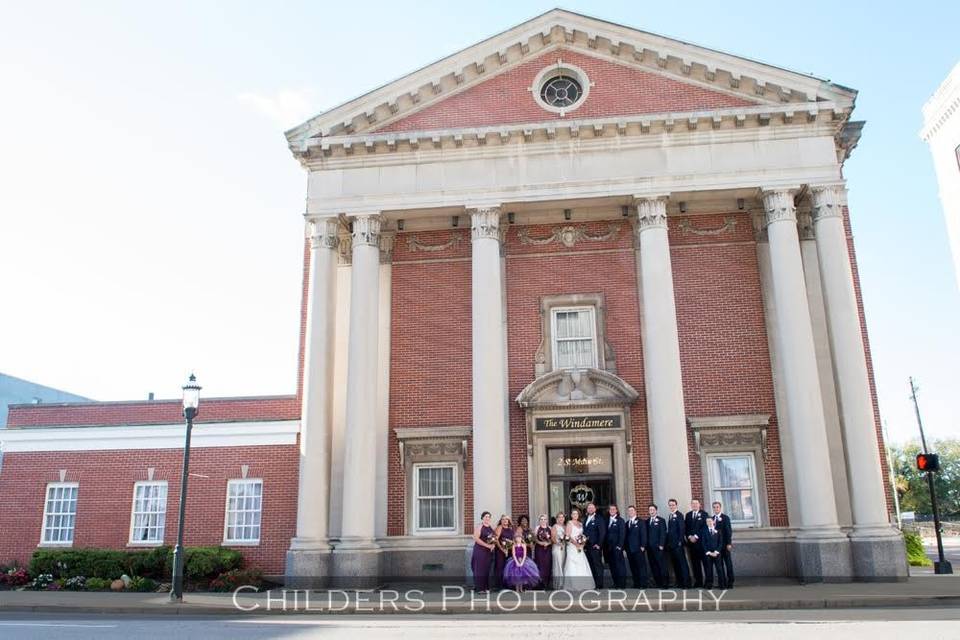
[
  {"x": 43, "y": 523},
  {"x": 417, "y": 530},
  {"x": 592, "y": 310},
  {"x": 755, "y": 488},
  {"x": 226, "y": 514},
  {"x": 133, "y": 515},
  {"x": 548, "y": 73}
]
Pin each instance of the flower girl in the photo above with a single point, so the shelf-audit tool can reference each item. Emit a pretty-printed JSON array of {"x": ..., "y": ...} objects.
[{"x": 520, "y": 572}]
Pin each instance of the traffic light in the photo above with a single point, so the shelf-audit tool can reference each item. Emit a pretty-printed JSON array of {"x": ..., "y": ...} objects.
[{"x": 928, "y": 462}]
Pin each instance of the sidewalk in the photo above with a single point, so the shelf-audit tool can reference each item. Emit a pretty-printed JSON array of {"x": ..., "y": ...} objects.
[{"x": 941, "y": 591}]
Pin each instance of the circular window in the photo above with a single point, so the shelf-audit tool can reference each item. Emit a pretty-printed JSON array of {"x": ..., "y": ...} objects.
[
  {"x": 561, "y": 91},
  {"x": 560, "y": 88}
]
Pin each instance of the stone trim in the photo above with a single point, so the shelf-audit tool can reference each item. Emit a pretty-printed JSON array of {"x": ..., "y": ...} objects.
[
  {"x": 568, "y": 235},
  {"x": 323, "y": 233},
  {"x": 577, "y": 390},
  {"x": 686, "y": 226},
  {"x": 779, "y": 205},
  {"x": 485, "y": 223},
  {"x": 543, "y": 358},
  {"x": 414, "y": 244}
]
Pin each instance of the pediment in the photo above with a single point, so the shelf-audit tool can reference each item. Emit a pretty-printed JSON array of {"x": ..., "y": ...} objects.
[
  {"x": 649, "y": 60},
  {"x": 577, "y": 389}
]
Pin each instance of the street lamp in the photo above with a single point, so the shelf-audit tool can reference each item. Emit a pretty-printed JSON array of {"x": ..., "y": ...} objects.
[{"x": 191, "y": 406}]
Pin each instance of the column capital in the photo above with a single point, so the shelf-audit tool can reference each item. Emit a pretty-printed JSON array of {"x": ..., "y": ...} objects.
[
  {"x": 778, "y": 205},
  {"x": 366, "y": 230},
  {"x": 387, "y": 239},
  {"x": 827, "y": 201},
  {"x": 485, "y": 222},
  {"x": 651, "y": 211},
  {"x": 323, "y": 233}
]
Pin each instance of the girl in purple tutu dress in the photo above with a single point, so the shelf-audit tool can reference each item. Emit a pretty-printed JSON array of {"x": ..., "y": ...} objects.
[{"x": 521, "y": 572}]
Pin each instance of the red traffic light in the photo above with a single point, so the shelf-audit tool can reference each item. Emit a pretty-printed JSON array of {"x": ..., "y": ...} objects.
[{"x": 928, "y": 462}]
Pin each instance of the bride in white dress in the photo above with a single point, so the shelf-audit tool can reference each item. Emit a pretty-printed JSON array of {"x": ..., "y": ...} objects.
[
  {"x": 557, "y": 532},
  {"x": 576, "y": 569}
]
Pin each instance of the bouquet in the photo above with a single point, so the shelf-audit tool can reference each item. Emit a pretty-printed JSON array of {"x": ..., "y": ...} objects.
[
  {"x": 580, "y": 540},
  {"x": 528, "y": 537},
  {"x": 543, "y": 535},
  {"x": 490, "y": 539},
  {"x": 507, "y": 545}
]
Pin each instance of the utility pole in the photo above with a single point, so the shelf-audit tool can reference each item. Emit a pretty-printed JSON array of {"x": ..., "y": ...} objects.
[
  {"x": 943, "y": 566},
  {"x": 893, "y": 477}
]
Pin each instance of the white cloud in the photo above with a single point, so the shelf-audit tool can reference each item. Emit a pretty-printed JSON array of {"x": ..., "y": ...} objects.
[{"x": 287, "y": 107}]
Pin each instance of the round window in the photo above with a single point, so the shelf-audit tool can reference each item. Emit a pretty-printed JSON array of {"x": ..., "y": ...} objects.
[
  {"x": 560, "y": 88},
  {"x": 561, "y": 91}
]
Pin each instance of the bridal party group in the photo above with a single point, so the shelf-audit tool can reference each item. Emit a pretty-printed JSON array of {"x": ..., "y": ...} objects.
[{"x": 573, "y": 551}]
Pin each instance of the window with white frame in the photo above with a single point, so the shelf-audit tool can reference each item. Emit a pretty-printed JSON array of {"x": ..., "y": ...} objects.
[
  {"x": 435, "y": 497},
  {"x": 733, "y": 481},
  {"x": 244, "y": 504},
  {"x": 149, "y": 512},
  {"x": 60, "y": 513},
  {"x": 574, "y": 335}
]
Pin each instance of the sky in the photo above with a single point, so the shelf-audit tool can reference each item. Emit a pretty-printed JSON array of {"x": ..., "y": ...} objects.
[{"x": 150, "y": 211}]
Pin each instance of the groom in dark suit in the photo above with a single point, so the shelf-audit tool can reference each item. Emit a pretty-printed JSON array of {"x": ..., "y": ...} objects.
[
  {"x": 613, "y": 547},
  {"x": 595, "y": 531}
]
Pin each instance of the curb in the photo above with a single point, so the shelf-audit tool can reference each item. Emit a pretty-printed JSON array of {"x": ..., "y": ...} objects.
[{"x": 465, "y": 609}]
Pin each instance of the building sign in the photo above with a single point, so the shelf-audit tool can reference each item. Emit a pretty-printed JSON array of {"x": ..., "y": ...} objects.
[{"x": 576, "y": 423}]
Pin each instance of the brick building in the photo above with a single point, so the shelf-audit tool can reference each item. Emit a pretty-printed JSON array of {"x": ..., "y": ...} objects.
[{"x": 575, "y": 260}]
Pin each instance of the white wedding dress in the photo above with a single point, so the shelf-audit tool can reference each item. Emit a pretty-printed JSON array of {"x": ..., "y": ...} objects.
[
  {"x": 556, "y": 579},
  {"x": 576, "y": 569}
]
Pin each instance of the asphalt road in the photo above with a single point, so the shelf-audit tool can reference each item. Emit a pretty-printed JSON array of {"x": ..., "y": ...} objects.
[
  {"x": 875, "y": 624},
  {"x": 951, "y": 551}
]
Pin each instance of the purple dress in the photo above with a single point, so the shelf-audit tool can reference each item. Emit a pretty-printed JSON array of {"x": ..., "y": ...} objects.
[
  {"x": 482, "y": 560},
  {"x": 500, "y": 560},
  {"x": 543, "y": 556},
  {"x": 517, "y": 575}
]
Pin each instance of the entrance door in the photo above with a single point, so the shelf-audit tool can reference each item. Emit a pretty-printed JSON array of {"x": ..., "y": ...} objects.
[{"x": 578, "y": 475}]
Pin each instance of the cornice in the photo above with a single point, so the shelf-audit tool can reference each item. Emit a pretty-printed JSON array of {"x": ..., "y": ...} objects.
[
  {"x": 825, "y": 118},
  {"x": 556, "y": 28}
]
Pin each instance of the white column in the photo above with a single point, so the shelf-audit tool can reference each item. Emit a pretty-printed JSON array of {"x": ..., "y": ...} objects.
[
  {"x": 315, "y": 419},
  {"x": 816, "y": 507},
  {"x": 490, "y": 424},
  {"x": 868, "y": 504},
  {"x": 383, "y": 386},
  {"x": 307, "y": 561},
  {"x": 359, "y": 477},
  {"x": 666, "y": 418}
]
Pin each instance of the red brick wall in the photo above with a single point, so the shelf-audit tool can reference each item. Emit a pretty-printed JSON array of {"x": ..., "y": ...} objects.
[
  {"x": 153, "y": 412},
  {"x": 105, "y": 497},
  {"x": 430, "y": 345},
  {"x": 723, "y": 339},
  {"x": 617, "y": 90},
  {"x": 607, "y": 267}
]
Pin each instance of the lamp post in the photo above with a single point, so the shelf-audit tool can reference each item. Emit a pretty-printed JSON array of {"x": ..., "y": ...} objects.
[{"x": 191, "y": 406}]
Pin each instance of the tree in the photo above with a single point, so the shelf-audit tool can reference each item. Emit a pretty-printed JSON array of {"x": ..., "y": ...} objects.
[{"x": 911, "y": 485}]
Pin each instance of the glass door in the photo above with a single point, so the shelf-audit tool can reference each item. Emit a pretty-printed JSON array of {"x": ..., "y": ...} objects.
[{"x": 578, "y": 475}]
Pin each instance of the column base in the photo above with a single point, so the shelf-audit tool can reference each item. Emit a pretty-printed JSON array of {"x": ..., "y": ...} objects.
[
  {"x": 357, "y": 564},
  {"x": 823, "y": 557},
  {"x": 879, "y": 554},
  {"x": 308, "y": 564}
]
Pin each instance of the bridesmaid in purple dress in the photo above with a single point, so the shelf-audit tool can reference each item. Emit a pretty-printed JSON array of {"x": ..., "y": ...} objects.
[
  {"x": 503, "y": 537},
  {"x": 543, "y": 550},
  {"x": 483, "y": 550}
]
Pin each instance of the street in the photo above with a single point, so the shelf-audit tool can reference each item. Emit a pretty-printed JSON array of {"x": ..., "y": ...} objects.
[
  {"x": 744, "y": 625},
  {"x": 951, "y": 551}
]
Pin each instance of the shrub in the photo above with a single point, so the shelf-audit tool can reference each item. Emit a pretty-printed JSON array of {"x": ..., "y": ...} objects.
[
  {"x": 97, "y": 584},
  {"x": 140, "y": 583},
  {"x": 916, "y": 555},
  {"x": 14, "y": 577},
  {"x": 202, "y": 564},
  {"x": 230, "y": 580},
  {"x": 76, "y": 583},
  {"x": 152, "y": 563},
  {"x": 41, "y": 582},
  {"x": 69, "y": 563}
]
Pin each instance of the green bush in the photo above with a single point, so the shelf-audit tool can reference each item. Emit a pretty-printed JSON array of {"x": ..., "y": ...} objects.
[
  {"x": 202, "y": 564},
  {"x": 230, "y": 580},
  {"x": 916, "y": 555},
  {"x": 139, "y": 583},
  {"x": 97, "y": 584}
]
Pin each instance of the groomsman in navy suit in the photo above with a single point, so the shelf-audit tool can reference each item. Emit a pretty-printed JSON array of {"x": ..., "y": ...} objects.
[
  {"x": 710, "y": 544},
  {"x": 595, "y": 531},
  {"x": 722, "y": 523},
  {"x": 656, "y": 541},
  {"x": 695, "y": 522},
  {"x": 636, "y": 546},
  {"x": 676, "y": 535},
  {"x": 613, "y": 546}
]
